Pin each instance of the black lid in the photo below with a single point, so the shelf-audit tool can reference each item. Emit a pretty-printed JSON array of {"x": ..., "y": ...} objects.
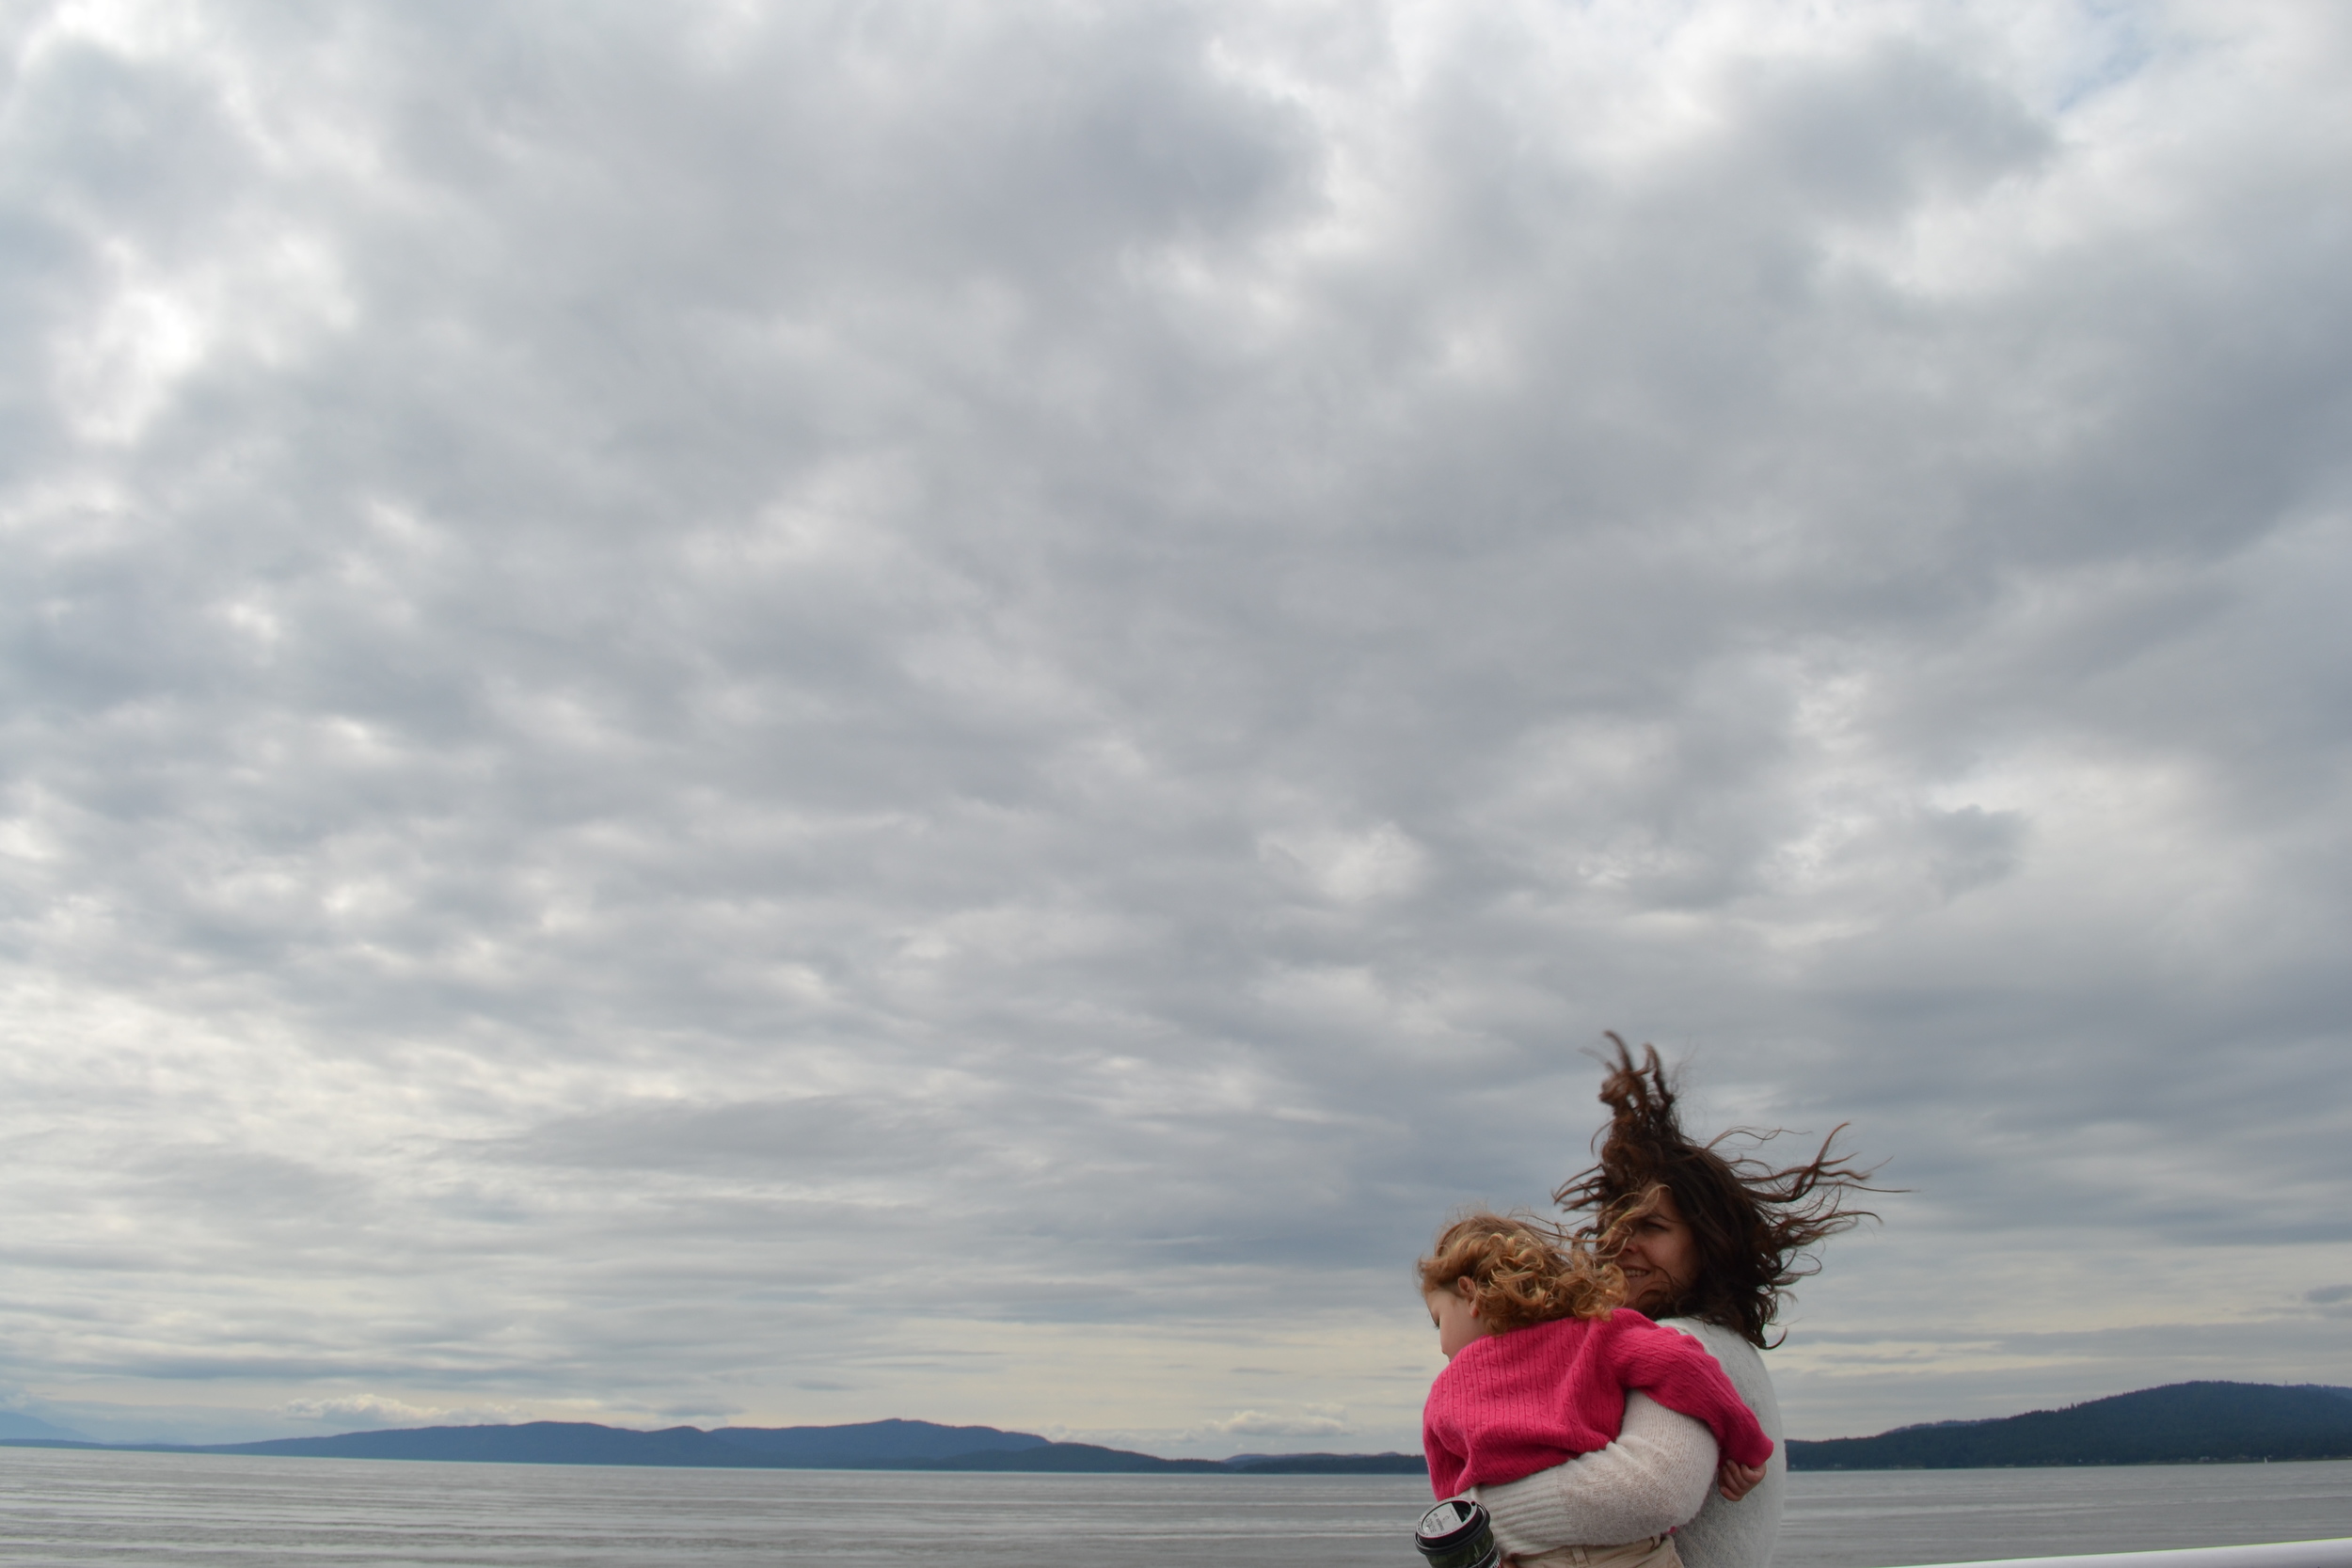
[{"x": 1450, "y": 1524}]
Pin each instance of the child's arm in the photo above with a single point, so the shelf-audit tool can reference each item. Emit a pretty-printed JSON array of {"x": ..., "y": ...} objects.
[{"x": 1679, "y": 1373}]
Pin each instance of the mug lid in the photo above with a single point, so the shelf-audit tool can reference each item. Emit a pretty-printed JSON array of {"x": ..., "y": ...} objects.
[{"x": 1454, "y": 1518}]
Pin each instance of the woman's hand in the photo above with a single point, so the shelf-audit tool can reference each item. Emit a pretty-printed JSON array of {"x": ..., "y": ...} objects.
[{"x": 1736, "y": 1481}]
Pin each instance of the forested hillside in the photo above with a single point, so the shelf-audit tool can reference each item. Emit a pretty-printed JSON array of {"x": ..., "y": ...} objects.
[{"x": 2181, "y": 1423}]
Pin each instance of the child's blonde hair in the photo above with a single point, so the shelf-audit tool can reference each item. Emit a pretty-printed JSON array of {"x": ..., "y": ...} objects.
[{"x": 1521, "y": 1271}]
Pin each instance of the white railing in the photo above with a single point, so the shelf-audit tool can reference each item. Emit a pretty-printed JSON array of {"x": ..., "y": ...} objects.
[{"x": 2283, "y": 1554}]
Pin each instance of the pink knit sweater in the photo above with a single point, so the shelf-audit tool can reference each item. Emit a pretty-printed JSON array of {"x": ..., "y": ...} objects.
[{"x": 1511, "y": 1404}]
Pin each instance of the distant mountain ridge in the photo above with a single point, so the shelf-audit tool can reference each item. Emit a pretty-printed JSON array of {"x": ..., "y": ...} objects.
[
  {"x": 2182, "y": 1424},
  {"x": 829, "y": 1447},
  {"x": 2179, "y": 1423},
  {"x": 892, "y": 1445}
]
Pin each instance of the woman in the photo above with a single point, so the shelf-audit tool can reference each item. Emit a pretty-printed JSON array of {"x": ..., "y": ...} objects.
[{"x": 1709, "y": 1247}]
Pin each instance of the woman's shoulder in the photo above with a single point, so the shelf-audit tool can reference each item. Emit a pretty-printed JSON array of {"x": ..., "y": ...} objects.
[
  {"x": 1741, "y": 1362},
  {"x": 1727, "y": 1343}
]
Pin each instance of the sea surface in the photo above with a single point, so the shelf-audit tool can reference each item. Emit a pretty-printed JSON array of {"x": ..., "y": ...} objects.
[{"x": 76, "y": 1507}]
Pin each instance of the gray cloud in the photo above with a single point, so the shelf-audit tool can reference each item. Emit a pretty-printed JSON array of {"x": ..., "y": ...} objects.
[{"x": 805, "y": 715}]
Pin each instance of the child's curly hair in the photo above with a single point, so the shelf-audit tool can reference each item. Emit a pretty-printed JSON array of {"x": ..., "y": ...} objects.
[{"x": 1522, "y": 1271}]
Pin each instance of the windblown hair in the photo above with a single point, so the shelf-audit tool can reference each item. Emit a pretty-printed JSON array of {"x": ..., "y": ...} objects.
[
  {"x": 1752, "y": 1226},
  {"x": 1522, "y": 1271}
]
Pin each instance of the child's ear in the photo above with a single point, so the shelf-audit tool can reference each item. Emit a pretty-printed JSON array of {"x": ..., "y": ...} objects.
[{"x": 1464, "y": 1289}]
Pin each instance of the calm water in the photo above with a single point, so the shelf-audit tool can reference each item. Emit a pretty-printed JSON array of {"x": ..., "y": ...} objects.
[
  {"x": 64, "y": 1507},
  {"x": 1869, "y": 1519}
]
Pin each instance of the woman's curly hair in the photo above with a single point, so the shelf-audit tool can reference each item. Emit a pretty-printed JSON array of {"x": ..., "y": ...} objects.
[
  {"x": 1753, "y": 1226},
  {"x": 1521, "y": 1271}
]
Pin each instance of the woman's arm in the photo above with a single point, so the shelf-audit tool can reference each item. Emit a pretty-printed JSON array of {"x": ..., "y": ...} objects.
[{"x": 1651, "y": 1478}]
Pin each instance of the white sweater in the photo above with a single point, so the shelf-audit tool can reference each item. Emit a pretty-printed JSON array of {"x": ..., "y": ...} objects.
[{"x": 1659, "y": 1475}]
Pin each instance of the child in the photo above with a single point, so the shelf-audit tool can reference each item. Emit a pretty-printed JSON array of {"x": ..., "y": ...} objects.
[{"x": 1539, "y": 1359}]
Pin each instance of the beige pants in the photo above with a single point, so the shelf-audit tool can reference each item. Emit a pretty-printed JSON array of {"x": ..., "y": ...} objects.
[{"x": 1657, "y": 1551}]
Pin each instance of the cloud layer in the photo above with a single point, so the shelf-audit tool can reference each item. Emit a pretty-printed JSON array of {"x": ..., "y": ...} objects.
[{"x": 804, "y": 713}]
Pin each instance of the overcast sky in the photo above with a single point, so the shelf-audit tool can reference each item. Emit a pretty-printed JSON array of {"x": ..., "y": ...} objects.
[{"x": 794, "y": 713}]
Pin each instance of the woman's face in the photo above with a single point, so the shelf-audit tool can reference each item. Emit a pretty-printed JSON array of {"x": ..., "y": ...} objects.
[{"x": 1659, "y": 1257}]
